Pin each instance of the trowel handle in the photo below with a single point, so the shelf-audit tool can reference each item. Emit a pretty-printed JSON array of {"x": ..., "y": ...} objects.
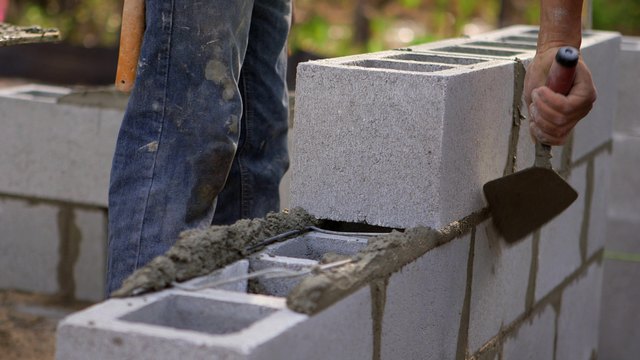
[
  {"x": 131, "y": 32},
  {"x": 560, "y": 79},
  {"x": 563, "y": 70}
]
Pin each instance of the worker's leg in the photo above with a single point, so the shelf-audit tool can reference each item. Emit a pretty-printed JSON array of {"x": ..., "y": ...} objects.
[
  {"x": 261, "y": 160},
  {"x": 180, "y": 131}
]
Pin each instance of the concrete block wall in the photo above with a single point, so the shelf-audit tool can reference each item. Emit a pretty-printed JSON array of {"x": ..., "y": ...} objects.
[
  {"x": 620, "y": 315},
  {"x": 55, "y": 160},
  {"x": 377, "y": 122}
]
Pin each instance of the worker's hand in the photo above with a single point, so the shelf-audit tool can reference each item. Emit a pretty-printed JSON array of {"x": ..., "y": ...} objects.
[{"x": 552, "y": 116}]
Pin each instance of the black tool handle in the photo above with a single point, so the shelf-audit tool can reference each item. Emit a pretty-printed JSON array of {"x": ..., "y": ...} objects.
[{"x": 560, "y": 79}]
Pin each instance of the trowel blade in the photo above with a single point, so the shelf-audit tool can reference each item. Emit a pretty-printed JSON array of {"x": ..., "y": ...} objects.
[{"x": 522, "y": 202}]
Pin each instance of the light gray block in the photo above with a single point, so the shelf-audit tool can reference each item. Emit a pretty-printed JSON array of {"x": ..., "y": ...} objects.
[
  {"x": 423, "y": 305},
  {"x": 597, "y": 127},
  {"x": 578, "y": 323},
  {"x": 620, "y": 312},
  {"x": 500, "y": 281},
  {"x": 278, "y": 286},
  {"x": 623, "y": 235},
  {"x": 627, "y": 120},
  {"x": 599, "y": 202},
  {"x": 91, "y": 265},
  {"x": 29, "y": 246},
  {"x": 559, "y": 250},
  {"x": 215, "y": 324},
  {"x": 54, "y": 151},
  {"x": 624, "y": 201},
  {"x": 534, "y": 339},
  {"x": 300, "y": 253},
  {"x": 343, "y": 331},
  {"x": 384, "y": 146},
  {"x": 237, "y": 270},
  {"x": 430, "y": 129}
]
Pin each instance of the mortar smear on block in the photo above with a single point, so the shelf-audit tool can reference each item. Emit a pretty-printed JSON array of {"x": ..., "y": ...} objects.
[{"x": 200, "y": 251}]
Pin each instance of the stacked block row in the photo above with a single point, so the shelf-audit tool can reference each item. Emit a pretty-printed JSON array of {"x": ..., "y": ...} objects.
[
  {"x": 54, "y": 160},
  {"x": 620, "y": 315},
  {"x": 396, "y": 140}
]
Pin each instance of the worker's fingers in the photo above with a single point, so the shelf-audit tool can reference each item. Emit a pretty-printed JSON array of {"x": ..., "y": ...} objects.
[{"x": 554, "y": 115}]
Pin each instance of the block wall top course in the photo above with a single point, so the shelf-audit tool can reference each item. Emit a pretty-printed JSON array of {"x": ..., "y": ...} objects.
[{"x": 56, "y": 152}]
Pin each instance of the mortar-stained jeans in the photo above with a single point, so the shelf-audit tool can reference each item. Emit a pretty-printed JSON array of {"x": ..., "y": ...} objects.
[{"x": 203, "y": 140}]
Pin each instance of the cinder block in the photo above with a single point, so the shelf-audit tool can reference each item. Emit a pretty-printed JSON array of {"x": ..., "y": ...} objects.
[
  {"x": 343, "y": 331},
  {"x": 234, "y": 270},
  {"x": 29, "y": 245},
  {"x": 624, "y": 201},
  {"x": 627, "y": 121},
  {"x": 559, "y": 250},
  {"x": 432, "y": 127},
  {"x": 377, "y": 138},
  {"x": 423, "y": 305},
  {"x": 278, "y": 286},
  {"x": 216, "y": 324},
  {"x": 534, "y": 339},
  {"x": 620, "y": 312},
  {"x": 55, "y": 151},
  {"x": 90, "y": 267},
  {"x": 597, "y": 127},
  {"x": 623, "y": 235},
  {"x": 578, "y": 323},
  {"x": 500, "y": 282},
  {"x": 298, "y": 254},
  {"x": 597, "y": 235}
]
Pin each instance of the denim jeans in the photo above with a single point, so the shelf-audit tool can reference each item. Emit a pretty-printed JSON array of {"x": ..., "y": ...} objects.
[{"x": 203, "y": 139}]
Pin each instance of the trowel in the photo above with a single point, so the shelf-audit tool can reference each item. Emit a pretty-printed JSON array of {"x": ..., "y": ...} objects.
[{"x": 522, "y": 202}]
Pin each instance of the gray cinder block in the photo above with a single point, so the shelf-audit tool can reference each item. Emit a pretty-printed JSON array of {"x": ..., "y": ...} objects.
[
  {"x": 500, "y": 281},
  {"x": 215, "y": 324},
  {"x": 534, "y": 339},
  {"x": 627, "y": 120},
  {"x": 559, "y": 249},
  {"x": 55, "y": 151},
  {"x": 578, "y": 323},
  {"x": 406, "y": 138},
  {"x": 620, "y": 312},
  {"x": 424, "y": 303}
]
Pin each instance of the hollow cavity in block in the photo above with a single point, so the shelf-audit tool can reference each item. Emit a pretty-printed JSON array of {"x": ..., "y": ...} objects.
[
  {"x": 397, "y": 65},
  {"x": 509, "y": 45},
  {"x": 478, "y": 51},
  {"x": 299, "y": 254},
  {"x": 199, "y": 314},
  {"x": 525, "y": 39},
  {"x": 315, "y": 245},
  {"x": 423, "y": 57}
]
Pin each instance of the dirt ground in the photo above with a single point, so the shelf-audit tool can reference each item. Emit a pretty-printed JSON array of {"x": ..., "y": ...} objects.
[{"x": 28, "y": 324}]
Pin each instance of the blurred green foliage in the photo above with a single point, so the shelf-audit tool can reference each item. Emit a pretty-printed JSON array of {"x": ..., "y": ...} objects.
[
  {"x": 617, "y": 15},
  {"x": 336, "y": 27}
]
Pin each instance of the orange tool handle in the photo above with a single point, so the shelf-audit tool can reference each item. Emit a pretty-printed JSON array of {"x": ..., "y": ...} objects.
[{"x": 131, "y": 33}]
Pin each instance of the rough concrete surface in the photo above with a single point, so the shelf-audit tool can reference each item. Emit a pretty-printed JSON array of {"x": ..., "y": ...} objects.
[
  {"x": 578, "y": 322},
  {"x": 624, "y": 201},
  {"x": 30, "y": 235},
  {"x": 559, "y": 251},
  {"x": 56, "y": 152},
  {"x": 620, "y": 311},
  {"x": 534, "y": 339},
  {"x": 500, "y": 284},
  {"x": 421, "y": 316}
]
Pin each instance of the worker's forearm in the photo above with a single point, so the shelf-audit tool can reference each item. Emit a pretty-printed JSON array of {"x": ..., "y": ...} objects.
[{"x": 560, "y": 24}]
